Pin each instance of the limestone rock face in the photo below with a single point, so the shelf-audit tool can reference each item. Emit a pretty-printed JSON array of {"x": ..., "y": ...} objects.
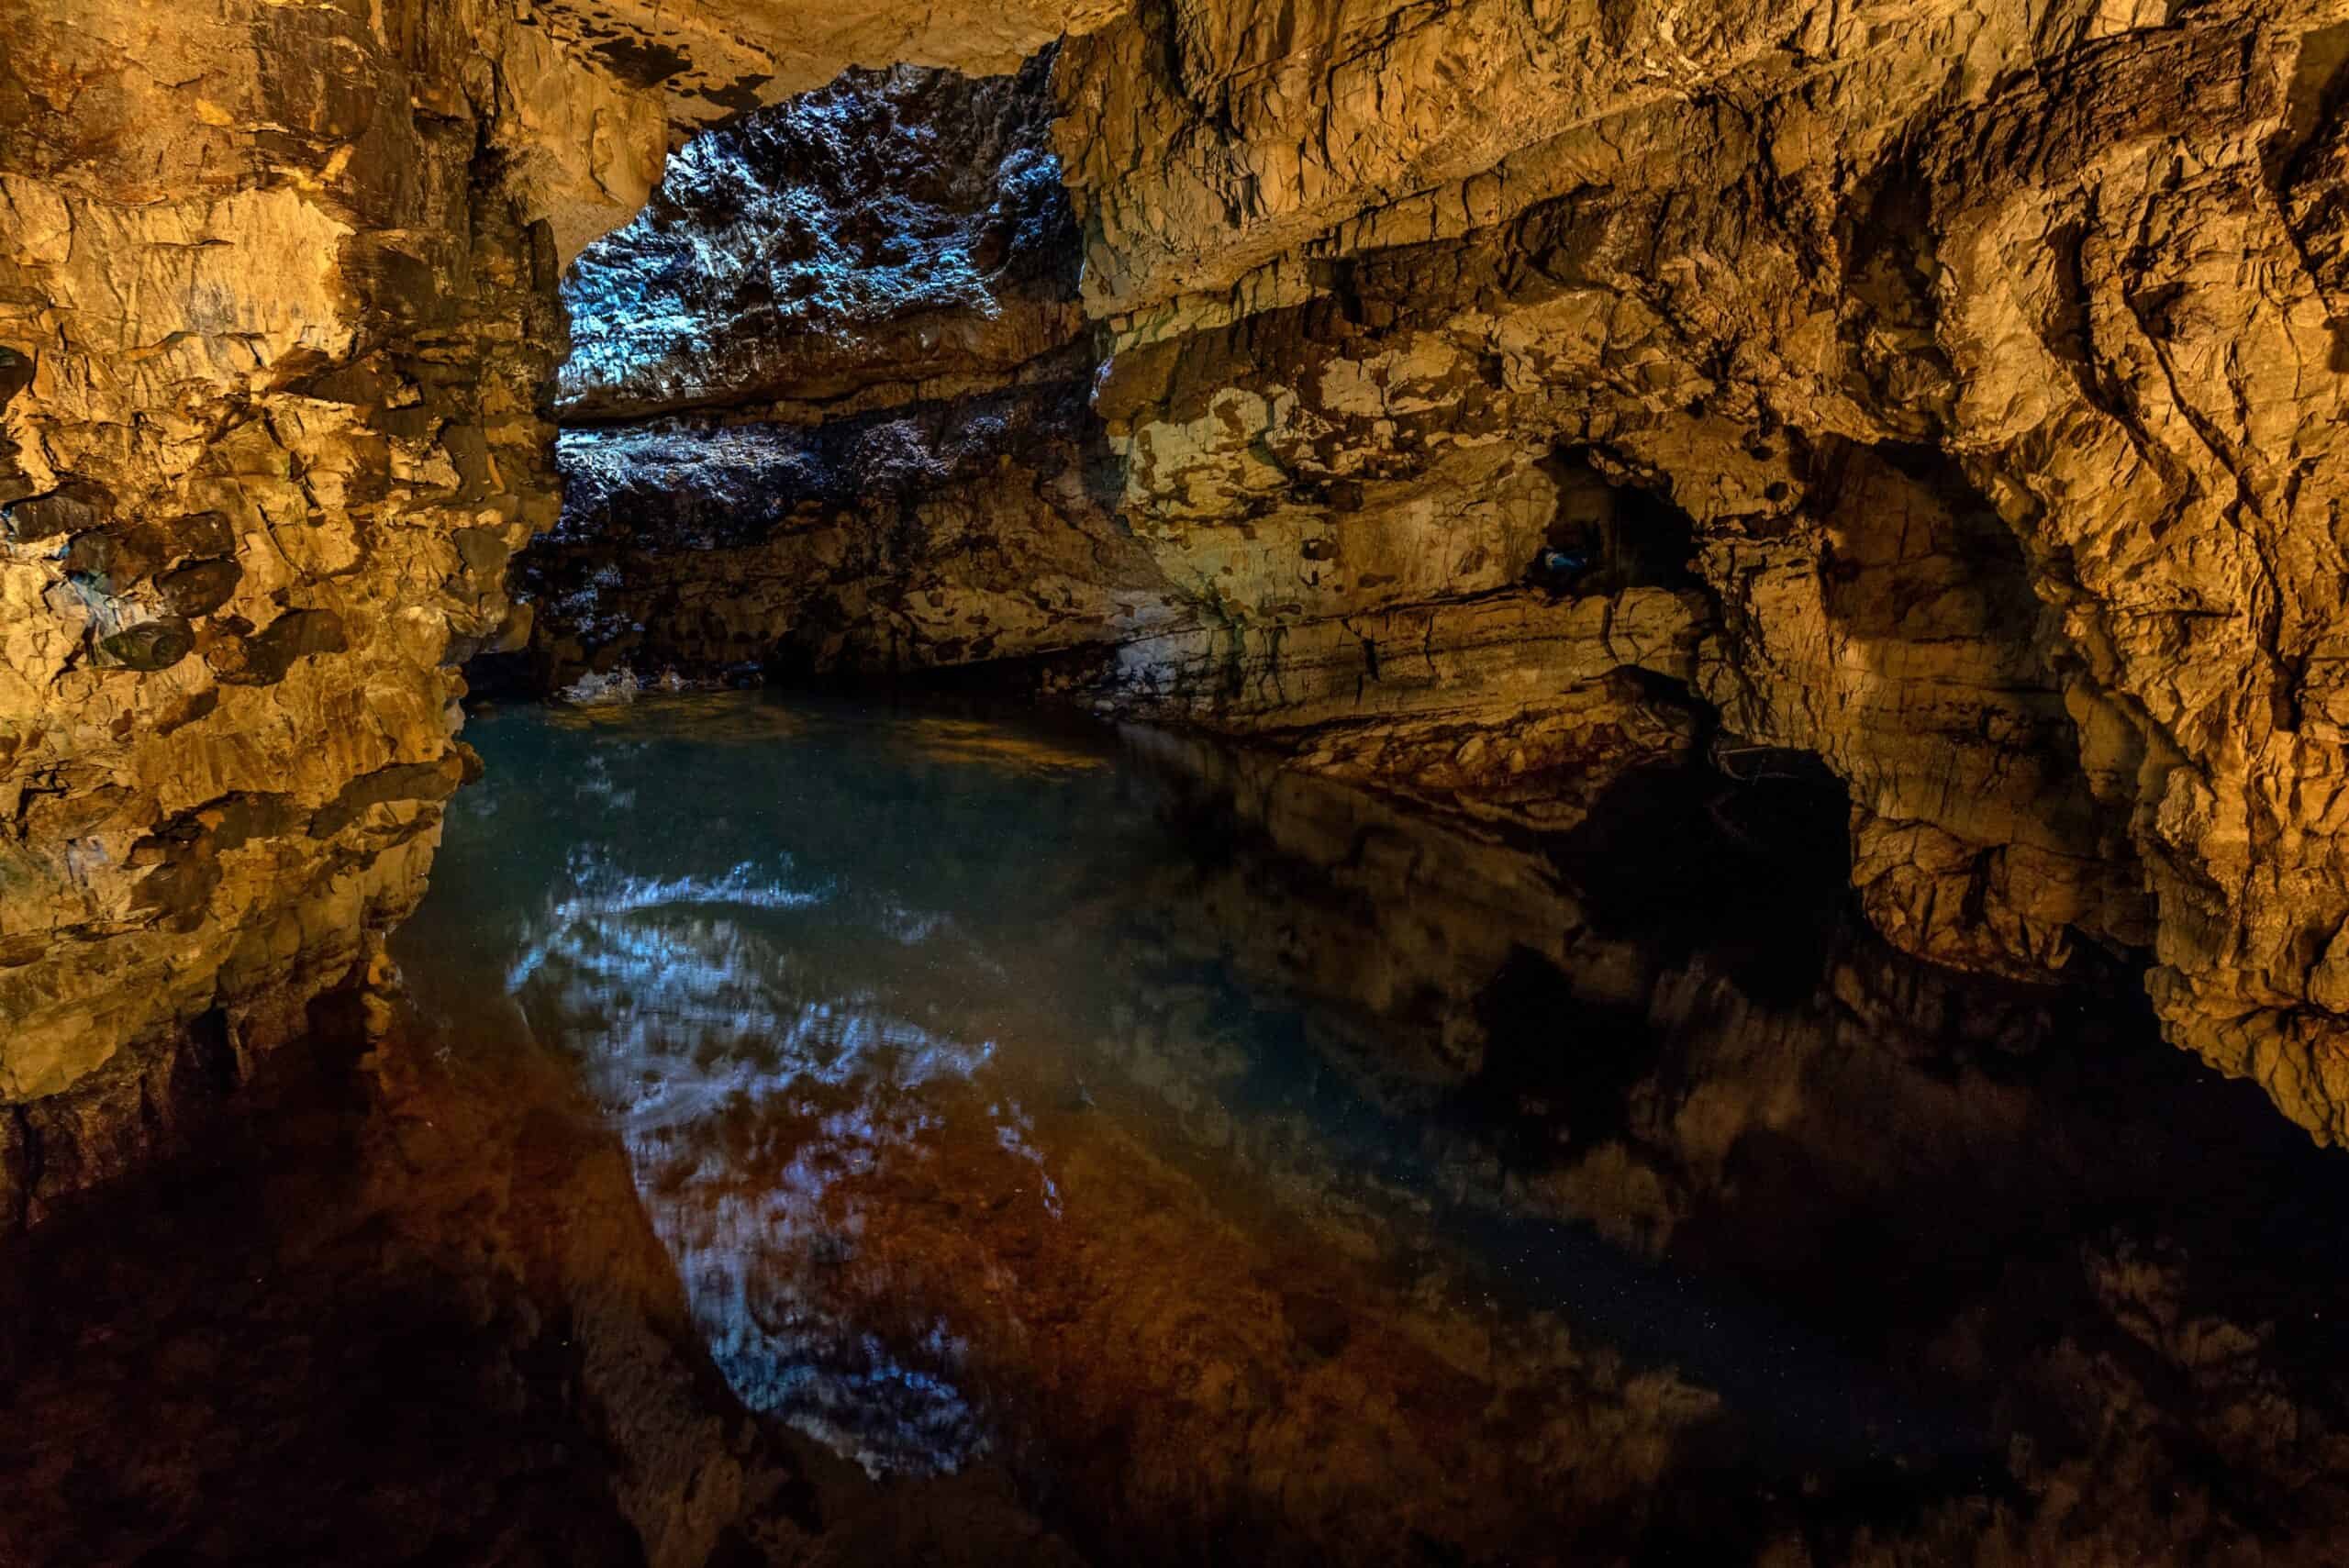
[
  {"x": 895, "y": 234},
  {"x": 829, "y": 405},
  {"x": 710, "y": 59},
  {"x": 867, "y": 298},
  {"x": 1888, "y": 390},
  {"x": 1475, "y": 398},
  {"x": 912, "y": 537},
  {"x": 277, "y": 315},
  {"x": 1990, "y": 356}
]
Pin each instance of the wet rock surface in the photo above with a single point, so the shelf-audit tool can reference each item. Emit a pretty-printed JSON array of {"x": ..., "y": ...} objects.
[
  {"x": 879, "y": 278},
  {"x": 896, "y": 235},
  {"x": 2004, "y": 483},
  {"x": 279, "y": 327},
  {"x": 278, "y": 335},
  {"x": 930, "y": 535}
]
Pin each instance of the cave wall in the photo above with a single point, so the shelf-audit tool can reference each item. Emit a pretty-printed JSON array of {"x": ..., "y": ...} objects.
[
  {"x": 1957, "y": 389},
  {"x": 827, "y": 407},
  {"x": 279, "y": 325},
  {"x": 1968, "y": 458},
  {"x": 281, "y": 310},
  {"x": 908, "y": 538},
  {"x": 835, "y": 403},
  {"x": 1979, "y": 369},
  {"x": 1993, "y": 355}
]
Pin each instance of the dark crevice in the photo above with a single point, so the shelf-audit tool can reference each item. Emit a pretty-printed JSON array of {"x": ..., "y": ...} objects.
[{"x": 1624, "y": 536}]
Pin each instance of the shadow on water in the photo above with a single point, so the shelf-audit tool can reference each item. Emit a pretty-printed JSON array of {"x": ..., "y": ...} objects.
[
  {"x": 1238, "y": 1166},
  {"x": 1756, "y": 883}
]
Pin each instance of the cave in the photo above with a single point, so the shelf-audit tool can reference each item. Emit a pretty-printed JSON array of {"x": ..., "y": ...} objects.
[{"x": 1154, "y": 781}]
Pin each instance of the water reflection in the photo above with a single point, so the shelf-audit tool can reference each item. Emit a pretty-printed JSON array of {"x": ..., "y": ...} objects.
[
  {"x": 1244, "y": 1161},
  {"x": 748, "y": 1083}
]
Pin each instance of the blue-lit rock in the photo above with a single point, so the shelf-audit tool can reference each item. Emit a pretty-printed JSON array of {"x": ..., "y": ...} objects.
[
  {"x": 898, "y": 234},
  {"x": 946, "y": 533},
  {"x": 830, "y": 410},
  {"x": 827, "y": 405}
]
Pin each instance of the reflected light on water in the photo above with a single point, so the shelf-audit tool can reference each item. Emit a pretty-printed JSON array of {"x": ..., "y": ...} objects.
[
  {"x": 753, "y": 1093},
  {"x": 971, "y": 742}
]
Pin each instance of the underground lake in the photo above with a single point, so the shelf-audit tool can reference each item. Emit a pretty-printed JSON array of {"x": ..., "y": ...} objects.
[{"x": 948, "y": 1136}]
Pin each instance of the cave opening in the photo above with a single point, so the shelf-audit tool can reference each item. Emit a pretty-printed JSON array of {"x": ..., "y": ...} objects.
[{"x": 823, "y": 412}]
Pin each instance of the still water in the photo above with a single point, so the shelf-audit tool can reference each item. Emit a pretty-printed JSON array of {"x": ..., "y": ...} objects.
[{"x": 1195, "y": 1162}]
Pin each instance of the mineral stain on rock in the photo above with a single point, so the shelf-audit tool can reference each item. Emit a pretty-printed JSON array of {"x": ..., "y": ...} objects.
[{"x": 148, "y": 646}]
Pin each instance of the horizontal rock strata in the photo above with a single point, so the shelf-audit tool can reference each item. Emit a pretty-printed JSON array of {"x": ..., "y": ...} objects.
[
  {"x": 1476, "y": 398},
  {"x": 1889, "y": 347},
  {"x": 919, "y": 537},
  {"x": 1990, "y": 357}
]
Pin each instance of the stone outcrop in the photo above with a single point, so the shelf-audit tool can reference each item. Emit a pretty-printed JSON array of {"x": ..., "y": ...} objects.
[
  {"x": 710, "y": 59},
  {"x": 1792, "y": 331},
  {"x": 827, "y": 405},
  {"x": 277, "y": 429},
  {"x": 897, "y": 236},
  {"x": 909, "y": 538},
  {"x": 835, "y": 405}
]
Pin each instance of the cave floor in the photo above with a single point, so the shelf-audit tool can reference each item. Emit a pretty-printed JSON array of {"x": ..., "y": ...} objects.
[{"x": 813, "y": 1133}]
